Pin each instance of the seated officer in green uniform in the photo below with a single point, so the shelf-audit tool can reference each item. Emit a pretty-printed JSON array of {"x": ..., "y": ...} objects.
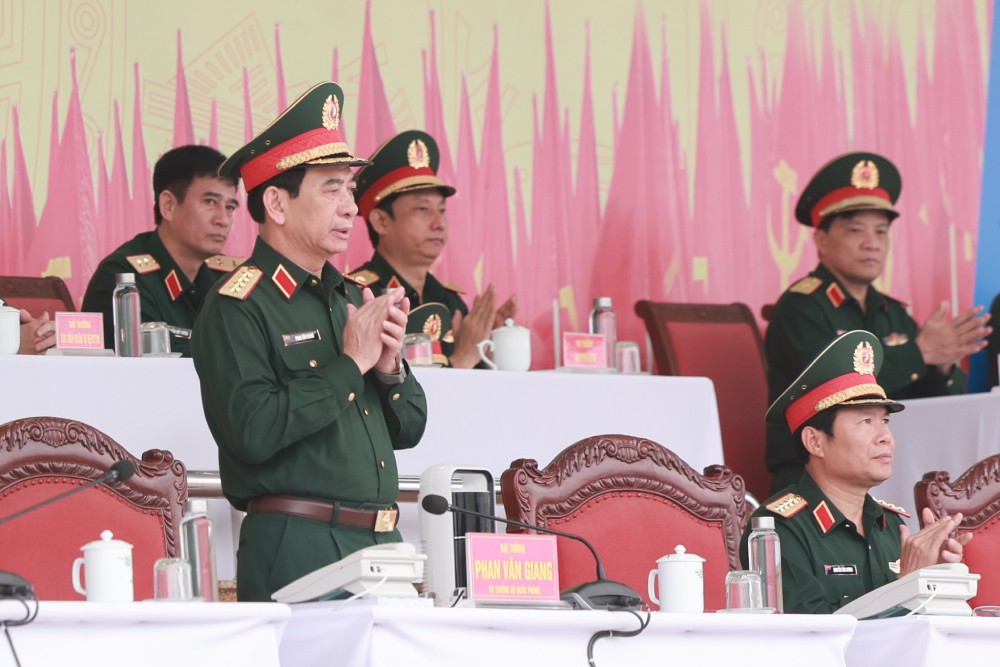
[
  {"x": 849, "y": 203},
  {"x": 402, "y": 200},
  {"x": 301, "y": 378},
  {"x": 837, "y": 542},
  {"x": 178, "y": 263}
]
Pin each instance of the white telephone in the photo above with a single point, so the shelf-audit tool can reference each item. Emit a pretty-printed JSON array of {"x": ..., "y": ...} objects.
[
  {"x": 940, "y": 590},
  {"x": 385, "y": 570}
]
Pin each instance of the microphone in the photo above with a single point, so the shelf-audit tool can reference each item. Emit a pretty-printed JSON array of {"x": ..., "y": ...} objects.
[
  {"x": 600, "y": 594},
  {"x": 119, "y": 472}
]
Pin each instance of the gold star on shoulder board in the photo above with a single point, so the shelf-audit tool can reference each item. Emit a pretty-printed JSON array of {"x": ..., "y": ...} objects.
[
  {"x": 363, "y": 277},
  {"x": 224, "y": 263},
  {"x": 242, "y": 282},
  {"x": 788, "y": 505},
  {"x": 143, "y": 263}
]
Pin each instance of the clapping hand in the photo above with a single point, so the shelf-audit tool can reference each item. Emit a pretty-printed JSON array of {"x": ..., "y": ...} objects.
[
  {"x": 944, "y": 340},
  {"x": 373, "y": 336},
  {"x": 936, "y": 542}
]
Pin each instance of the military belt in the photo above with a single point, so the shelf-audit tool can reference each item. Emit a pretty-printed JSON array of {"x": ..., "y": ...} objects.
[{"x": 379, "y": 521}]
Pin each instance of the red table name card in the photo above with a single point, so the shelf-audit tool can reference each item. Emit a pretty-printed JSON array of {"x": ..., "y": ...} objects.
[
  {"x": 512, "y": 568},
  {"x": 582, "y": 350},
  {"x": 79, "y": 331}
]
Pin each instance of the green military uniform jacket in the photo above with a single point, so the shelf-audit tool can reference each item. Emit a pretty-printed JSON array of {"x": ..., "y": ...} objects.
[
  {"x": 825, "y": 562},
  {"x": 814, "y": 311},
  {"x": 993, "y": 346},
  {"x": 379, "y": 274},
  {"x": 292, "y": 415},
  {"x": 165, "y": 293}
]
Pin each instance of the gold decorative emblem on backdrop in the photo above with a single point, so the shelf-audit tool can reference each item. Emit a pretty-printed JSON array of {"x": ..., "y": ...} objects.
[
  {"x": 417, "y": 155},
  {"x": 864, "y": 176},
  {"x": 331, "y": 113},
  {"x": 864, "y": 359}
]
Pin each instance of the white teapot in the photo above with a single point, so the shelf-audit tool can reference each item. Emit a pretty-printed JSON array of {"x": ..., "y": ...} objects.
[
  {"x": 682, "y": 582},
  {"x": 10, "y": 329},
  {"x": 511, "y": 346},
  {"x": 108, "y": 566}
]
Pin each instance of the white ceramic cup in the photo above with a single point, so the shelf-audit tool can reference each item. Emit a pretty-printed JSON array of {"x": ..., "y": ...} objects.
[
  {"x": 107, "y": 569},
  {"x": 681, "y": 582},
  {"x": 10, "y": 330},
  {"x": 511, "y": 347}
]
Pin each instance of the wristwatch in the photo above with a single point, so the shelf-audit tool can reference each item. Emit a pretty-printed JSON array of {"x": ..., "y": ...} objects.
[{"x": 393, "y": 378}]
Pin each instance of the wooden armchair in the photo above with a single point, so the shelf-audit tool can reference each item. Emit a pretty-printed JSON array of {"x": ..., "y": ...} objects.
[
  {"x": 41, "y": 457},
  {"x": 634, "y": 500},
  {"x": 720, "y": 342},
  {"x": 36, "y": 295},
  {"x": 976, "y": 494}
]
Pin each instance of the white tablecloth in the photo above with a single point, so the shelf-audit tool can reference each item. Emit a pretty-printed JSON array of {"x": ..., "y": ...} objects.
[
  {"x": 920, "y": 641},
  {"x": 388, "y": 636},
  {"x": 475, "y": 418},
  {"x": 949, "y": 433},
  {"x": 151, "y": 634}
]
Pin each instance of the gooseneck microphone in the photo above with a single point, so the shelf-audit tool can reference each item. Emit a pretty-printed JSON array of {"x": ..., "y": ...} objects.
[
  {"x": 119, "y": 472},
  {"x": 600, "y": 594}
]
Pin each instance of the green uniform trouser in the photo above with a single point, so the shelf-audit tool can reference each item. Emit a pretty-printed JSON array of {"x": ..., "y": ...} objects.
[{"x": 277, "y": 549}]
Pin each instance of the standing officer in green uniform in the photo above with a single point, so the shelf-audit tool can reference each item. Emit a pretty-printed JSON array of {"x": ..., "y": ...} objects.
[
  {"x": 178, "y": 263},
  {"x": 302, "y": 382},
  {"x": 402, "y": 200},
  {"x": 849, "y": 203},
  {"x": 837, "y": 542}
]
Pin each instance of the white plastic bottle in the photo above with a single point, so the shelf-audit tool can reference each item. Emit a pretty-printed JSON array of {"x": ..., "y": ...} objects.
[
  {"x": 198, "y": 548},
  {"x": 604, "y": 321},
  {"x": 764, "y": 556},
  {"x": 127, "y": 316}
]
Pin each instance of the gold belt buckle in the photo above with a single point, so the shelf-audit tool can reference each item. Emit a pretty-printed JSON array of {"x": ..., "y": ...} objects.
[{"x": 385, "y": 520}]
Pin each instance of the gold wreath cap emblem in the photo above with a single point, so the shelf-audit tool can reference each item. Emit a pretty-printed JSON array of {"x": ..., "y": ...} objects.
[
  {"x": 331, "y": 113},
  {"x": 417, "y": 154},
  {"x": 864, "y": 176},
  {"x": 864, "y": 359}
]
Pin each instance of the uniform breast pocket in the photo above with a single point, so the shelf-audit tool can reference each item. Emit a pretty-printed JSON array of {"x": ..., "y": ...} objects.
[{"x": 306, "y": 356}]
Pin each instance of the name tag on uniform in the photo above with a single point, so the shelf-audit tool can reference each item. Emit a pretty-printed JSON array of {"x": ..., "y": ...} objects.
[
  {"x": 841, "y": 570},
  {"x": 296, "y": 338}
]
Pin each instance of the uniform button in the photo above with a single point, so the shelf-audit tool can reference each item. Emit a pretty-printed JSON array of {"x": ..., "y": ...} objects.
[
  {"x": 313, "y": 282},
  {"x": 350, "y": 396},
  {"x": 312, "y": 363},
  {"x": 914, "y": 377},
  {"x": 366, "y": 412},
  {"x": 382, "y": 463},
  {"x": 395, "y": 396}
]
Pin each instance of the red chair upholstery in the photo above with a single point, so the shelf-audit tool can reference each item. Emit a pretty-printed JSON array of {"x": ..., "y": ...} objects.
[
  {"x": 976, "y": 494},
  {"x": 41, "y": 457},
  {"x": 720, "y": 342},
  {"x": 36, "y": 295},
  {"x": 634, "y": 500}
]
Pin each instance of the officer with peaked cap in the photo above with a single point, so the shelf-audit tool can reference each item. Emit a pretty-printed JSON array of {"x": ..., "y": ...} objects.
[
  {"x": 837, "y": 542},
  {"x": 402, "y": 201},
  {"x": 302, "y": 381},
  {"x": 850, "y": 203}
]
